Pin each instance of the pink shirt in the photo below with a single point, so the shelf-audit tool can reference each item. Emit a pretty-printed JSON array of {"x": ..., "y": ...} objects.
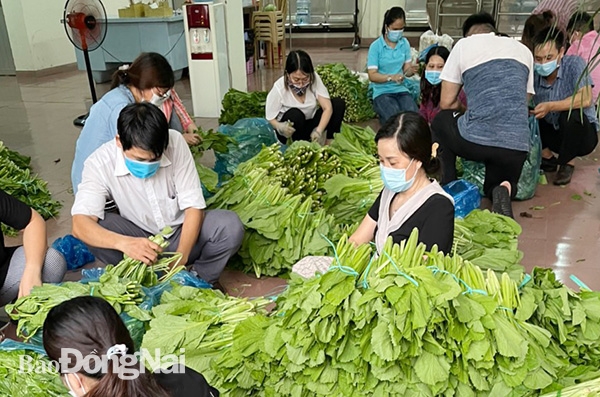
[
  {"x": 562, "y": 9},
  {"x": 429, "y": 111},
  {"x": 587, "y": 48}
]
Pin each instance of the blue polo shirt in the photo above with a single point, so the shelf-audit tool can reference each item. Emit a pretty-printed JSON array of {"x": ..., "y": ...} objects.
[
  {"x": 388, "y": 60},
  {"x": 570, "y": 79}
]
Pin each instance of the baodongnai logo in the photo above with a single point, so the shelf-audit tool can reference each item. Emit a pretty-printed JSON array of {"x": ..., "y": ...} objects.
[{"x": 126, "y": 366}]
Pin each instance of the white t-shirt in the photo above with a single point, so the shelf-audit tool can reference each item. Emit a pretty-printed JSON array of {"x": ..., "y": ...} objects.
[{"x": 280, "y": 99}]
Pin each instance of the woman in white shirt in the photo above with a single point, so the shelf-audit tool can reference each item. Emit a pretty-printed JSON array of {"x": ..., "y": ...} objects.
[{"x": 298, "y": 106}]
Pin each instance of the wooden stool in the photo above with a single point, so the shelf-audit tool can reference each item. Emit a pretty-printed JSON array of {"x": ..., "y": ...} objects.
[{"x": 269, "y": 27}]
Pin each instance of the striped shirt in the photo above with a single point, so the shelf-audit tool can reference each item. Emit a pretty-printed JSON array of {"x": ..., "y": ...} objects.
[
  {"x": 175, "y": 103},
  {"x": 562, "y": 9}
]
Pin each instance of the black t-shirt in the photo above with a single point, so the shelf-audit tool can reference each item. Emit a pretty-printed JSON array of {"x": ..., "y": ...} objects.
[
  {"x": 187, "y": 384},
  {"x": 434, "y": 220},
  {"x": 17, "y": 215}
]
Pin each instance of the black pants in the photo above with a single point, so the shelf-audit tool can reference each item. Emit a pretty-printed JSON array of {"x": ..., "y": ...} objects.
[
  {"x": 500, "y": 164},
  {"x": 573, "y": 137},
  {"x": 304, "y": 127}
]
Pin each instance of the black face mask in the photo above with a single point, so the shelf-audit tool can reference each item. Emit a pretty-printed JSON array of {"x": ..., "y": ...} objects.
[{"x": 300, "y": 91}]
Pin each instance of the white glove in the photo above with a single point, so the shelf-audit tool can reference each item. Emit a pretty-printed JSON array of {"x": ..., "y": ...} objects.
[
  {"x": 315, "y": 135},
  {"x": 285, "y": 128}
]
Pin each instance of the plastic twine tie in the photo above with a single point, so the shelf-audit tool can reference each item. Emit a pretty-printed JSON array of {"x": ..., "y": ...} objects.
[
  {"x": 344, "y": 269},
  {"x": 92, "y": 291},
  {"x": 364, "y": 283},
  {"x": 467, "y": 287},
  {"x": 579, "y": 283},
  {"x": 400, "y": 272},
  {"x": 525, "y": 281}
]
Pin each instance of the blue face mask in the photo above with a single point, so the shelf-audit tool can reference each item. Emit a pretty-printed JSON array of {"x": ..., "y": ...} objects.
[
  {"x": 395, "y": 35},
  {"x": 142, "y": 169},
  {"x": 546, "y": 69},
  {"x": 433, "y": 76},
  {"x": 395, "y": 179}
]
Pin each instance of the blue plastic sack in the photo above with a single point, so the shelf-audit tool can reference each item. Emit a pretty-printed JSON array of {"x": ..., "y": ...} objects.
[
  {"x": 9, "y": 345},
  {"x": 91, "y": 275},
  {"x": 466, "y": 197},
  {"x": 153, "y": 294},
  {"x": 76, "y": 253},
  {"x": 251, "y": 135}
]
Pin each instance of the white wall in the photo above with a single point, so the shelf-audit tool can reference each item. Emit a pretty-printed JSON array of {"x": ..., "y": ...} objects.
[
  {"x": 37, "y": 38},
  {"x": 373, "y": 12}
]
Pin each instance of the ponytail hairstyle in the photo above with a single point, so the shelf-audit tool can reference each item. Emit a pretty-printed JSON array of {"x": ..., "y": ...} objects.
[
  {"x": 391, "y": 16},
  {"x": 413, "y": 136},
  {"x": 90, "y": 325},
  {"x": 431, "y": 93},
  {"x": 147, "y": 71}
]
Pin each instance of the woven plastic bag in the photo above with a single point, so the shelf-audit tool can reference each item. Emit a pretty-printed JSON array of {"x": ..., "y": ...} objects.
[
  {"x": 474, "y": 172},
  {"x": 76, "y": 253}
]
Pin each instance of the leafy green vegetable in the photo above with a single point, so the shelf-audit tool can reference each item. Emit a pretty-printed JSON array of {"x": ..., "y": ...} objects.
[
  {"x": 241, "y": 105},
  {"x": 211, "y": 140},
  {"x": 576, "y": 197},
  {"x": 343, "y": 83},
  {"x": 35, "y": 383}
]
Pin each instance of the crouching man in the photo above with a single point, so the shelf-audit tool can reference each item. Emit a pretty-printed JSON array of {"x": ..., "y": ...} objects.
[{"x": 150, "y": 174}]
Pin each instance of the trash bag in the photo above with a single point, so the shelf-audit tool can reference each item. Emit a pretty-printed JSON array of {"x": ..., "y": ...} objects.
[
  {"x": 466, "y": 197},
  {"x": 136, "y": 329},
  {"x": 251, "y": 135},
  {"x": 76, "y": 253},
  {"x": 474, "y": 172},
  {"x": 428, "y": 39},
  {"x": 153, "y": 294},
  {"x": 9, "y": 345}
]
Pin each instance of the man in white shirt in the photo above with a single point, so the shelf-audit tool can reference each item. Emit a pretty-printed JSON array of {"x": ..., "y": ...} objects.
[{"x": 149, "y": 172}]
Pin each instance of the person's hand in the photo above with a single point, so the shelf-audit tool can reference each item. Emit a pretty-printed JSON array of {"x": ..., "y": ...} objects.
[
  {"x": 415, "y": 68},
  {"x": 542, "y": 109},
  {"x": 285, "y": 128},
  {"x": 29, "y": 280},
  {"x": 140, "y": 249},
  {"x": 398, "y": 78},
  {"x": 192, "y": 139},
  {"x": 315, "y": 135}
]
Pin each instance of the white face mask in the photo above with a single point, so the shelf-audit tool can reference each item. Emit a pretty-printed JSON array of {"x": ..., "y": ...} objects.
[
  {"x": 71, "y": 392},
  {"x": 158, "y": 100}
]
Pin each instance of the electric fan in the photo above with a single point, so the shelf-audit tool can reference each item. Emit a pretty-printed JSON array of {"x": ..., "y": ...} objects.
[{"x": 85, "y": 25}]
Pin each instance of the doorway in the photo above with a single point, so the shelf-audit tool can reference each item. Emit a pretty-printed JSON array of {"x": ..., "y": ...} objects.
[{"x": 7, "y": 64}]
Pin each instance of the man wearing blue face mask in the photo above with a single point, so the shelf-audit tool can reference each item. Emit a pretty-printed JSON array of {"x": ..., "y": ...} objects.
[
  {"x": 389, "y": 61},
  {"x": 150, "y": 174},
  {"x": 563, "y": 89}
]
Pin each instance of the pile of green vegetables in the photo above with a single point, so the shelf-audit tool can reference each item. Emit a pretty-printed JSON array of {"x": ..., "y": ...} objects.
[
  {"x": 218, "y": 143},
  {"x": 201, "y": 321},
  {"x": 343, "y": 83},
  {"x": 409, "y": 322},
  {"x": 242, "y": 105},
  {"x": 120, "y": 285},
  {"x": 289, "y": 202},
  {"x": 38, "y": 383},
  {"x": 490, "y": 241},
  {"x": 17, "y": 180}
]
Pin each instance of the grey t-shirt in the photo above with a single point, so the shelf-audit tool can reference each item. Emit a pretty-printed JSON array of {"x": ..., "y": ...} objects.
[{"x": 496, "y": 74}]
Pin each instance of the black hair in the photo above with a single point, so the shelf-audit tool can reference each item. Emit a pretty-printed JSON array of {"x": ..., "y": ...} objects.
[
  {"x": 391, "y": 16},
  {"x": 148, "y": 70},
  {"x": 430, "y": 92},
  {"x": 413, "y": 136},
  {"x": 549, "y": 34},
  {"x": 580, "y": 22},
  {"x": 481, "y": 18},
  {"x": 91, "y": 325},
  {"x": 144, "y": 126},
  {"x": 534, "y": 24},
  {"x": 298, "y": 60}
]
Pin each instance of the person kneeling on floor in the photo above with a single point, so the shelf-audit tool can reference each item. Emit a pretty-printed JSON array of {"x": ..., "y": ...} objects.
[
  {"x": 88, "y": 329},
  {"x": 149, "y": 172},
  {"x": 563, "y": 92},
  {"x": 497, "y": 75},
  {"x": 298, "y": 106}
]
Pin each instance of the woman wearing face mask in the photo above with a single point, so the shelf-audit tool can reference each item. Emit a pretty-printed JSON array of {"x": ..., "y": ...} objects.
[
  {"x": 90, "y": 326},
  {"x": 563, "y": 105},
  {"x": 409, "y": 198},
  {"x": 389, "y": 61},
  {"x": 298, "y": 106},
  {"x": 148, "y": 79},
  {"x": 431, "y": 87}
]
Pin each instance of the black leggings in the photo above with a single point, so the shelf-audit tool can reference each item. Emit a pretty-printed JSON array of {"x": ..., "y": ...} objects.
[
  {"x": 500, "y": 164},
  {"x": 573, "y": 137},
  {"x": 304, "y": 127}
]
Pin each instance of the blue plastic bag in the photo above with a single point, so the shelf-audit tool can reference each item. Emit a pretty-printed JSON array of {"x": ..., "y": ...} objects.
[
  {"x": 76, "y": 253},
  {"x": 9, "y": 345},
  {"x": 184, "y": 277},
  {"x": 466, "y": 197},
  {"x": 91, "y": 275},
  {"x": 251, "y": 135}
]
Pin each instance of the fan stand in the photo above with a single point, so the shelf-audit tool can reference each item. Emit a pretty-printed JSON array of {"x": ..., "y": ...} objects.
[
  {"x": 356, "y": 41},
  {"x": 88, "y": 21}
]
